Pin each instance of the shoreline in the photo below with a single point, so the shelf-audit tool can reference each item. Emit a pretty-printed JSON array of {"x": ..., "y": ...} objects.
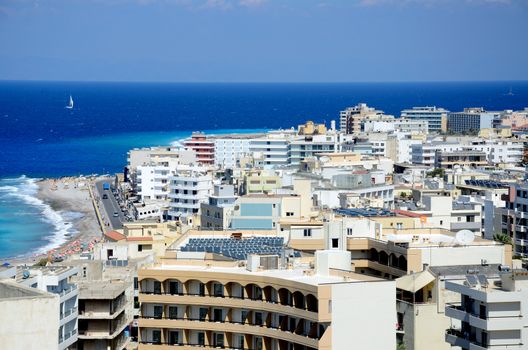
[{"x": 69, "y": 198}]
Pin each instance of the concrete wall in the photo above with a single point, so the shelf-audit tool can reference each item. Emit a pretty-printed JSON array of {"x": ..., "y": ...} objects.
[
  {"x": 29, "y": 323},
  {"x": 363, "y": 315}
]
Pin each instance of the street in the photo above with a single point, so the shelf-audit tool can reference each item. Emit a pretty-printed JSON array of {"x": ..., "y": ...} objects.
[{"x": 109, "y": 206}]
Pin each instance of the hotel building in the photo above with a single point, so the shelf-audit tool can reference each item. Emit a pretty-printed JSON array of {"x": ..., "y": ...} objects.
[
  {"x": 264, "y": 305},
  {"x": 470, "y": 120},
  {"x": 436, "y": 117},
  {"x": 204, "y": 148}
]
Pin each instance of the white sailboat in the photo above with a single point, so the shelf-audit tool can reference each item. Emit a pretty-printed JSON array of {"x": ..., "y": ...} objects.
[{"x": 70, "y": 103}]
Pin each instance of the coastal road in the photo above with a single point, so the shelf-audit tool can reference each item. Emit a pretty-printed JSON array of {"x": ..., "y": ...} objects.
[{"x": 109, "y": 206}]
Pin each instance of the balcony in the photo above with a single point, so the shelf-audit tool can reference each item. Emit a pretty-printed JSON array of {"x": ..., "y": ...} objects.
[
  {"x": 67, "y": 313},
  {"x": 231, "y": 302},
  {"x": 67, "y": 293},
  {"x": 104, "y": 334},
  {"x": 228, "y": 326},
  {"x": 67, "y": 339},
  {"x": 105, "y": 315},
  {"x": 496, "y": 323},
  {"x": 456, "y": 338},
  {"x": 457, "y": 312}
]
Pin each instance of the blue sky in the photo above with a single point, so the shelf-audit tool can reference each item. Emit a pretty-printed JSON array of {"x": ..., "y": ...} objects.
[{"x": 264, "y": 40}]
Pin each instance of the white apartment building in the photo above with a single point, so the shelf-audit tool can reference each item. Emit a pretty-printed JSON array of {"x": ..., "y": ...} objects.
[
  {"x": 229, "y": 151},
  {"x": 405, "y": 145},
  {"x": 490, "y": 311},
  {"x": 153, "y": 181},
  {"x": 425, "y": 153},
  {"x": 273, "y": 149},
  {"x": 500, "y": 151},
  {"x": 436, "y": 118},
  {"x": 391, "y": 124},
  {"x": 310, "y": 145},
  {"x": 56, "y": 280},
  {"x": 214, "y": 213},
  {"x": 188, "y": 189},
  {"x": 28, "y": 317}
]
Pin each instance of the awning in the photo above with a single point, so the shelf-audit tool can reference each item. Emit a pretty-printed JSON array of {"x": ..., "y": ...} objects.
[{"x": 415, "y": 282}]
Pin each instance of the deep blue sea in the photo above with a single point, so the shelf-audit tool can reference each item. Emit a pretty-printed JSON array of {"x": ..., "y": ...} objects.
[{"x": 41, "y": 138}]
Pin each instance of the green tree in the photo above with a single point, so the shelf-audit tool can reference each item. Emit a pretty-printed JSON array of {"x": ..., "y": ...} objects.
[
  {"x": 440, "y": 172},
  {"x": 502, "y": 238}
]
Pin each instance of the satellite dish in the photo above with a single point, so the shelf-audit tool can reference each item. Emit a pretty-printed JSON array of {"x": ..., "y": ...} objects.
[{"x": 464, "y": 237}]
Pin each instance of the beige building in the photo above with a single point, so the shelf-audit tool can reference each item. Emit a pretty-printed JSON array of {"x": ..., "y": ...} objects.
[
  {"x": 28, "y": 318},
  {"x": 103, "y": 315},
  {"x": 215, "y": 304}
]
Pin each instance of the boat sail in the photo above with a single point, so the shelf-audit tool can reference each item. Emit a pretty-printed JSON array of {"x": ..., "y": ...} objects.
[{"x": 70, "y": 103}]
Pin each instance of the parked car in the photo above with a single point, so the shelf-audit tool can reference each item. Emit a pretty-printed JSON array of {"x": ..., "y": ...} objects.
[{"x": 116, "y": 214}]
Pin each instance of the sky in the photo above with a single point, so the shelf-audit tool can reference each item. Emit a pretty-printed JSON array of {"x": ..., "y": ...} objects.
[{"x": 264, "y": 40}]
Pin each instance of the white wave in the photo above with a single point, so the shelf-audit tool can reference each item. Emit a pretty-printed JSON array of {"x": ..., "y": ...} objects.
[{"x": 26, "y": 189}]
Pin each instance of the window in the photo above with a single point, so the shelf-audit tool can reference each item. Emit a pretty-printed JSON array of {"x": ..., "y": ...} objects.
[
  {"x": 217, "y": 315},
  {"x": 335, "y": 242},
  {"x": 289, "y": 213},
  {"x": 157, "y": 287},
  {"x": 156, "y": 336},
  {"x": 218, "y": 290},
  {"x": 258, "y": 318},
  {"x": 219, "y": 340},
  {"x": 158, "y": 311},
  {"x": 399, "y": 225},
  {"x": 350, "y": 231},
  {"x": 243, "y": 316},
  {"x": 307, "y": 232},
  {"x": 201, "y": 338},
  {"x": 203, "y": 313},
  {"x": 173, "y": 337},
  {"x": 173, "y": 312}
]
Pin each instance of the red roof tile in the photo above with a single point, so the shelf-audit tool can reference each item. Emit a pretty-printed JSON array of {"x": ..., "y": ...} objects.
[{"x": 115, "y": 236}]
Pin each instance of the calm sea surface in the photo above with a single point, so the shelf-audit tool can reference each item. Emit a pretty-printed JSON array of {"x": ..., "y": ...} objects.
[{"x": 41, "y": 138}]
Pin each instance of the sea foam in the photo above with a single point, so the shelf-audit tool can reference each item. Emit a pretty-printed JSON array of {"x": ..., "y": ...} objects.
[{"x": 26, "y": 190}]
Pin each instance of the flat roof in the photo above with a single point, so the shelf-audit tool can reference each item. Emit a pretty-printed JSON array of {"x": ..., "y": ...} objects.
[
  {"x": 298, "y": 274},
  {"x": 11, "y": 290},
  {"x": 364, "y": 212},
  {"x": 53, "y": 270},
  {"x": 101, "y": 289}
]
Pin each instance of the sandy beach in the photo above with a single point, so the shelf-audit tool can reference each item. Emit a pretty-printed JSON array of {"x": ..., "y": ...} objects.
[{"x": 69, "y": 195}]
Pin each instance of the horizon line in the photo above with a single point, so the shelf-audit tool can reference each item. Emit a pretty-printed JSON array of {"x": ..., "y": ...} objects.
[{"x": 259, "y": 82}]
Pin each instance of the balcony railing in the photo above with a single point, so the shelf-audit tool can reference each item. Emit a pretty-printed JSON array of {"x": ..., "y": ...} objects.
[
  {"x": 275, "y": 302},
  {"x": 245, "y": 323},
  {"x": 68, "y": 290},
  {"x": 67, "y": 336},
  {"x": 178, "y": 344},
  {"x": 68, "y": 312}
]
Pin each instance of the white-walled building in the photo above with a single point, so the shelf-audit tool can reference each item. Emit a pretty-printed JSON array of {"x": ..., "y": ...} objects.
[
  {"x": 436, "y": 118},
  {"x": 28, "y": 317},
  {"x": 188, "y": 189},
  {"x": 490, "y": 312},
  {"x": 229, "y": 151}
]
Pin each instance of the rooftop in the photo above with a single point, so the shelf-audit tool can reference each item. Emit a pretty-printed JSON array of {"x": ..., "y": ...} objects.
[
  {"x": 10, "y": 290},
  {"x": 101, "y": 289},
  {"x": 364, "y": 212},
  {"x": 300, "y": 273}
]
